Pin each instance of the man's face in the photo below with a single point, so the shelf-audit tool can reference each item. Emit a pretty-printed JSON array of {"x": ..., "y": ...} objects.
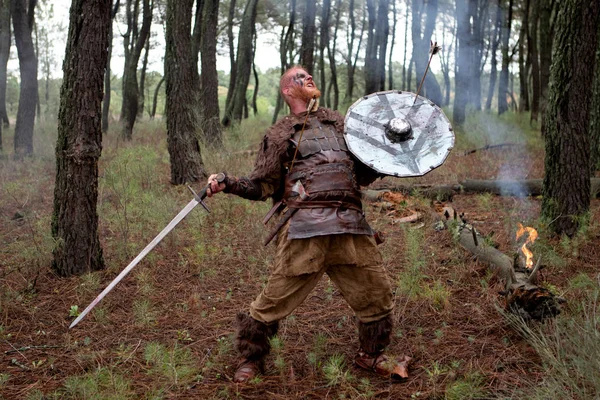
[{"x": 302, "y": 85}]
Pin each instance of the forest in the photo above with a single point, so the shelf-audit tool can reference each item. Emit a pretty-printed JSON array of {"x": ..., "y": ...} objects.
[{"x": 112, "y": 110}]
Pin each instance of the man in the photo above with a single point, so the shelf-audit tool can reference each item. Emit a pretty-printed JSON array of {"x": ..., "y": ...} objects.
[{"x": 304, "y": 165}]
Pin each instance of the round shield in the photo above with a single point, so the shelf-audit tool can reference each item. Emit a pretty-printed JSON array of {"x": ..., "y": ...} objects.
[{"x": 394, "y": 135}]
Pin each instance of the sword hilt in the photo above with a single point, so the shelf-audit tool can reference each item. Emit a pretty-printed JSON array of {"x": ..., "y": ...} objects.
[{"x": 202, "y": 195}]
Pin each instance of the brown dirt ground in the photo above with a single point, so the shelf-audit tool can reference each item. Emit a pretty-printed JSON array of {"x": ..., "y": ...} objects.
[{"x": 202, "y": 298}]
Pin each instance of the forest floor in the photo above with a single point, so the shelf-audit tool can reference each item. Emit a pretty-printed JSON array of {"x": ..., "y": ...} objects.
[{"x": 166, "y": 331}]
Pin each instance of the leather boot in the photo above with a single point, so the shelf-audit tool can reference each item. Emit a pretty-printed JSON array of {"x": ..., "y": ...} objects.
[
  {"x": 252, "y": 342},
  {"x": 374, "y": 337}
]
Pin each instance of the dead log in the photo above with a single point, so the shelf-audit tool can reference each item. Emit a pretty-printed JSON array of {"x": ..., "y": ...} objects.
[
  {"x": 522, "y": 188},
  {"x": 492, "y": 146},
  {"x": 433, "y": 192},
  {"x": 522, "y": 294}
]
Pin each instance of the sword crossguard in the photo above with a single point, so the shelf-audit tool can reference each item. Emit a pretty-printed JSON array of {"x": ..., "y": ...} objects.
[{"x": 199, "y": 198}]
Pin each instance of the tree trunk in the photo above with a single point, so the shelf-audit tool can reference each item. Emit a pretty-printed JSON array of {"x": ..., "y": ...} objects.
[
  {"x": 235, "y": 110},
  {"x": 404, "y": 67},
  {"x": 142, "y": 91},
  {"x": 323, "y": 42},
  {"x": 133, "y": 43},
  {"x": 479, "y": 14},
  {"x": 595, "y": 116},
  {"x": 494, "y": 60},
  {"x": 155, "y": 98},
  {"x": 197, "y": 31},
  {"x": 505, "y": 35},
  {"x": 463, "y": 63},
  {"x": 107, "y": 88},
  {"x": 532, "y": 47},
  {"x": 351, "y": 34},
  {"x": 286, "y": 39},
  {"x": 22, "y": 24},
  {"x": 256, "y": 79},
  {"x": 309, "y": 31},
  {"x": 107, "y": 74},
  {"x": 331, "y": 50},
  {"x": 77, "y": 247},
  {"x": 567, "y": 164},
  {"x": 4, "y": 56},
  {"x": 523, "y": 39},
  {"x": 181, "y": 77},
  {"x": 390, "y": 69},
  {"x": 421, "y": 46},
  {"x": 545, "y": 54},
  {"x": 209, "y": 80},
  {"x": 377, "y": 33},
  {"x": 232, "y": 63}
]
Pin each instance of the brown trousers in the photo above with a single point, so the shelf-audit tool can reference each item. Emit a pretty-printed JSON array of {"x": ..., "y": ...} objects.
[{"x": 352, "y": 262}]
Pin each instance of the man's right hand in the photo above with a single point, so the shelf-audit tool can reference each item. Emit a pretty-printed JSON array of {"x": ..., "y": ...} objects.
[{"x": 214, "y": 186}]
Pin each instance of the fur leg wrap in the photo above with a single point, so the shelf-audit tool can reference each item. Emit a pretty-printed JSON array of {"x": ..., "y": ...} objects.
[
  {"x": 252, "y": 339},
  {"x": 374, "y": 337}
]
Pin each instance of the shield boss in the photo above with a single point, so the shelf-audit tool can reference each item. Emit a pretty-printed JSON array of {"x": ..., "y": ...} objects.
[{"x": 388, "y": 133}]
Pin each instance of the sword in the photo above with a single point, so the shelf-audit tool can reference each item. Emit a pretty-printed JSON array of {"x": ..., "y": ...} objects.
[{"x": 198, "y": 199}]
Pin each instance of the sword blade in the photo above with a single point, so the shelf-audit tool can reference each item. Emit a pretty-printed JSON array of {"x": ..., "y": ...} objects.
[{"x": 182, "y": 214}]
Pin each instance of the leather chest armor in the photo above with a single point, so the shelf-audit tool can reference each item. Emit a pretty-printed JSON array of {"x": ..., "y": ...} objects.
[
  {"x": 325, "y": 169},
  {"x": 319, "y": 137}
]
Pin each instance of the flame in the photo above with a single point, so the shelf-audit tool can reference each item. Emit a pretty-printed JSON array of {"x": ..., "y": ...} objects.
[{"x": 532, "y": 236}]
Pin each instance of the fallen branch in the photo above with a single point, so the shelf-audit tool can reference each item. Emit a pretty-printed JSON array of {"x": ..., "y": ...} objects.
[
  {"x": 523, "y": 296},
  {"x": 493, "y": 146},
  {"x": 522, "y": 188},
  {"x": 434, "y": 192},
  {"x": 25, "y": 348}
]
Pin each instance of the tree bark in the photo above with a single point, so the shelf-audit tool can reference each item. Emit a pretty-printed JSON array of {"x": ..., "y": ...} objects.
[
  {"x": 286, "y": 40},
  {"x": 155, "y": 98},
  {"x": 209, "y": 80},
  {"x": 181, "y": 78},
  {"x": 352, "y": 56},
  {"x": 198, "y": 28},
  {"x": 523, "y": 65},
  {"x": 377, "y": 33},
  {"x": 107, "y": 74},
  {"x": 256, "y": 78},
  {"x": 532, "y": 50},
  {"x": 232, "y": 63},
  {"x": 421, "y": 46},
  {"x": 390, "y": 69},
  {"x": 142, "y": 91},
  {"x": 331, "y": 50},
  {"x": 404, "y": 66},
  {"x": 235, "y": 111},
  {"x": 494, "y": 60},
  {"x": 595, "y": 116},
  {"x": 22, "y": 11},
  {"x": 75, "y": 219},
  {"x": 567, "y": 163},
  {"x": 463, "y": 62},
  {"x": 4, "y": 56},
  {"x": 133, "y": 43},
  {"x": 323, "y": 42},
  {"x": 505, "y": 35},
  {"x": 309, "y": 31},
  {"x": 545, "y": 54}
]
